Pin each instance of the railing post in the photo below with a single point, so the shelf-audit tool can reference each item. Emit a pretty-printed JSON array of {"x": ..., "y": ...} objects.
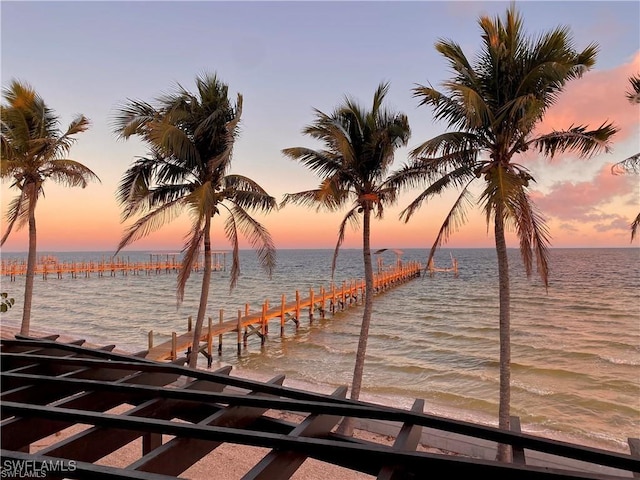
[
  {"x": 239, "y": 332},
  {"x": 634, "y": 449},
  {"x": 311, "y": 305},
  {"x": 220, "y": 336},
  {"x": 174, "y": 343},
  {"x": 210, "y": 338},
  {"x": 263, "y": 323},
  {"x": 282, "y": 300},
  {"x": 246, "y": 314},
  {"x": 517, "y": 451},
  {"x": 150, "y": 339}
]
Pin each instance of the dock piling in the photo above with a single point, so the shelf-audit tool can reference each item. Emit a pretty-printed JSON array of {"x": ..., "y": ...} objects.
[
  {"x": 220, "y": 336},
  {"x": 282, "y": 315},
  {"x": 209, "y": 342},
  {"x": 239, "y": 332},
  {"x": 258, "y": 322}
]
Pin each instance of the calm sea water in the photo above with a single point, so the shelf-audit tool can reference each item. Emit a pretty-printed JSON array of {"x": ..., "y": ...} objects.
[{"x": 575, "y": 347}]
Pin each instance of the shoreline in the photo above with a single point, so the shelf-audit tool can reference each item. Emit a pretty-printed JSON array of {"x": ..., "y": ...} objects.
[
  {"x": 235, "y": 460},
  {"x": 230, "y": 461},
  {"x": 8, "y": 330}
]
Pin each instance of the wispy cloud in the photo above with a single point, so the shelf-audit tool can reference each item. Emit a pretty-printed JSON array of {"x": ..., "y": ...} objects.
[
  {"x": 586, "y": 202},
  {"x": 598, "y": 97}
]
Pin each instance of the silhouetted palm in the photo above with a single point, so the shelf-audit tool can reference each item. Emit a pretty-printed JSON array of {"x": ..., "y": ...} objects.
[
  {"x": 191, "y": 138},
  {"x": 353, "y": 167},
  {"x": 33, "y": 151},
  {"x": 493, "y": 107}
]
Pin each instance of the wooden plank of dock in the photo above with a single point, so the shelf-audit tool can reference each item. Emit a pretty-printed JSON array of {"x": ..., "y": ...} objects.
[{"x": 258, "y": 322}]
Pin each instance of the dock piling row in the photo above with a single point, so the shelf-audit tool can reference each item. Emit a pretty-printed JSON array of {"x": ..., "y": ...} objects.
[{"x": 248, "y": 324}]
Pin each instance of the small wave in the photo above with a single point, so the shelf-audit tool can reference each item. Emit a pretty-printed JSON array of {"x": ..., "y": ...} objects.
[
  {"x": 532, "y": 389},
  {"x": 620, "y": 361}
]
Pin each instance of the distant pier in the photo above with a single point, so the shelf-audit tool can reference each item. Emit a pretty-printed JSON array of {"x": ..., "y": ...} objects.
[
  {"x": 245, "y": 323},
  {"x": 49, "y": 266}
]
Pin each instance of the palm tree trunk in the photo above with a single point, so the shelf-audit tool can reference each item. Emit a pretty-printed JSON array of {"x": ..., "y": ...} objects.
[
  {"x": 204, "y": 295},
  {"x": 31, "y": 261},
  {"x": 368, "y": 306},
  {"x": 346, "y": 427},
  {"x": 504, "y": 451}
]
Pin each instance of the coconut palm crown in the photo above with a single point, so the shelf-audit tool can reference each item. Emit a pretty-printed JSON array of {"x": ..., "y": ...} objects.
[
  {"x": 34, "y": 150},
  {"x": 493, "y": 108},
  {"x": 190, "y": 139},
  {"x": 353, "y": 168}
]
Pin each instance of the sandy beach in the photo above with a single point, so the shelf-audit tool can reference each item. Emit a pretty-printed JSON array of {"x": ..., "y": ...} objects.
[{"x": 229, "y": 461}]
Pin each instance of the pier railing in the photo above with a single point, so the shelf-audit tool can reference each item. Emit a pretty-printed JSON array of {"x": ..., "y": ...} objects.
[
  {"x": 49, "y": 267},
  {"x": 245, "y": 324}
]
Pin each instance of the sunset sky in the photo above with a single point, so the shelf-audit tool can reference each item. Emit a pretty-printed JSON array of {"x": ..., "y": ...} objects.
[{"x": 287, "y": 58}]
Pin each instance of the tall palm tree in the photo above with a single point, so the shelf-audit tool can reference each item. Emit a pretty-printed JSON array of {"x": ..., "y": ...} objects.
[
  {"x": 493, "y": 107},
  {"x": 631, "y": 165},
  {"x": 34, "y": 149},
  {"x": 353, "y": 167},
  {"x": 191, "y": 138}
]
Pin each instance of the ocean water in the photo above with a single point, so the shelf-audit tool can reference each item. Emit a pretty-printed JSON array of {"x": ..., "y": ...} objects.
[{"x": 575, "y": 346}]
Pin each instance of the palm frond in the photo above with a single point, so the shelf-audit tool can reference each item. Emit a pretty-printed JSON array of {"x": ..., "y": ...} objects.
[
  {"x": 585, "y": 142},
  {"x": 450, "y": 145},
  {"x": 132, "y": 117},
  {"x": 633, "y": 95},
  {"x": 327, "y": 196},
  {"x": 17, "y": 214},
  {"x": 231, "y": 232},
  {"x": 533, "y": 234},
  {"x": 634, "y": 227},
  {"x": 460, "y": 177},
  {"x": 247, "y": 194},
  {"x": 134, "y": 185},
  {"x": 69, "y": 173},
  {"x": 63, "y": 144},
  {"x": 190, "y": 255},
  {"x": 502, "y": 186},
  {"x": 323, "y": 163},
  {"x": 454, "y": 220},
  {"x": 150, "y": 223},
  {"x": 353, "y": 218},
  {"x": 171, "y": 140},
  {"x": 258, "y": 236},
  {"x": 629, "y": 166},
  {"x": 444, "y": 107}
]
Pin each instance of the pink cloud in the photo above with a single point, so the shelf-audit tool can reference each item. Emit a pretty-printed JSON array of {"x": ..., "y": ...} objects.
[
  {"x": 597, "y": 97},
  {"x": 586, "y": 202}
]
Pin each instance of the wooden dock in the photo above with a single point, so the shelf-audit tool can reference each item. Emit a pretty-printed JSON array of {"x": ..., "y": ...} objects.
[
  {"x": 158, "y": 263},
  {"x": 246, "y": 323}
]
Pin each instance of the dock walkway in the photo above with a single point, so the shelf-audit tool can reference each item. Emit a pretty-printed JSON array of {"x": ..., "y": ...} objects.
[
  {"x": 50, "y": 266},
  {"x": 246, "y": 324}
]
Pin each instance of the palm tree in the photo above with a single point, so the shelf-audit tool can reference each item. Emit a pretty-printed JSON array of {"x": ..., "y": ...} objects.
[
  {"x": 34, "y": 150},
  {"x": 631, "y": 165},
  {"x": 493, "y": 107},
  {"x": 191, "y": 138},
  {"x": 359, "y": 150}
]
